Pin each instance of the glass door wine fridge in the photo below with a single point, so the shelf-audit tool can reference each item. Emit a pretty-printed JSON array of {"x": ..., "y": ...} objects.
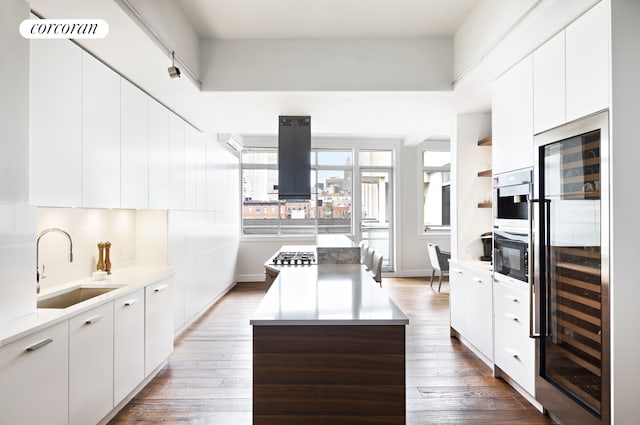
[{"x": 570, "y": 285}]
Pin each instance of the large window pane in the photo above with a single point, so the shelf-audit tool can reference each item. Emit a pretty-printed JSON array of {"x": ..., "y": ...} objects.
[
  {"x": 376, "y": 158},
  {"x": 334, "y": 201},
  {"x": 335, "y": 157},
  {"x": 260, "y": 206}
]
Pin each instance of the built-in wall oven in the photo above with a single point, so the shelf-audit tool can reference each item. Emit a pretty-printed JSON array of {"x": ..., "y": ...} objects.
[
  {"x": 511, "y": 254},
  {"x": 511, "y": 194}
]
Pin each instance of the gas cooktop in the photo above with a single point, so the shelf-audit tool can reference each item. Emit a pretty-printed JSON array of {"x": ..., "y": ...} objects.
[{"x": 295, "y": 258}]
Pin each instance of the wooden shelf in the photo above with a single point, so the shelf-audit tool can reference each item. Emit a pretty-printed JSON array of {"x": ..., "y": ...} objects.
[
  {"x": 487, "y": 141},
  {"x": 485, "y": 204},
  {"x": 485, "y": 173}
]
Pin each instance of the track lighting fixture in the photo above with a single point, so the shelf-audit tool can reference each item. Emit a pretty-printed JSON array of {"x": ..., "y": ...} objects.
[{"x": 174, "y": 71}]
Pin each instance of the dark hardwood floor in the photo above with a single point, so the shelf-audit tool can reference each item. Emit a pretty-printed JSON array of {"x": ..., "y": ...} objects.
[{"x": 208, "y": 377}]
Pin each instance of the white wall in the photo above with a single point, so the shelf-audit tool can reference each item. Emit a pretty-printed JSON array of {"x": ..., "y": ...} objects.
[
  {"x": 625, "y": 233},
  {"x": 468, "y": 221},
  {"x": 331, "y": 64},
  {"x": 137, "y": 237},
  {"x": 17, "y": 218}
]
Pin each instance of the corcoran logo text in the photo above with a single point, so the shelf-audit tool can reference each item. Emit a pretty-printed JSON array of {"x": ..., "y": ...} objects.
[{"x": 64, "y": 28}]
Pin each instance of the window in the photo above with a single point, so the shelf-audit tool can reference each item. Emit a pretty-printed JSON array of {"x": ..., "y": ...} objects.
[
  {"x": 328, "y": 211},
  {"x": 436, "y": 186}
]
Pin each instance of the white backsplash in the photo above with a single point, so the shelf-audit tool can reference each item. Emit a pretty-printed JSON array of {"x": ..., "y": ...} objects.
[{"x": 137, "y": 237}]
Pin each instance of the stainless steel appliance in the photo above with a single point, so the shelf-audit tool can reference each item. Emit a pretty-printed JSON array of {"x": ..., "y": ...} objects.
[
  {"x": 511, "y": 193},
  {"x": 295, "y": 258},
  {"x": 511, "y": 254},
  {"x": 570, "y": 290}
]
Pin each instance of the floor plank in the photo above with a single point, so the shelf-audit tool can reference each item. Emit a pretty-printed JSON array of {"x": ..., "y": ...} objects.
[{"x": 208, "y": 377}]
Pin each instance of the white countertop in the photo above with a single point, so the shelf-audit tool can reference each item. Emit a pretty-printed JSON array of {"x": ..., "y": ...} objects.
[
  {"x": 334, "y": 241},
  {"x": 485, "y": 266},
  {"x": 327, "y": 294},
  {"x": 126, "y": 280}
]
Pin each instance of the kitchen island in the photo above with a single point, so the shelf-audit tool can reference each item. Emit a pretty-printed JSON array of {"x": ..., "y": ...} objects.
[{"x": 328, "y": 347}]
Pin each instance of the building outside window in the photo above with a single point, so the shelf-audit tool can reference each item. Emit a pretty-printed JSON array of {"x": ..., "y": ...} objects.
[{"x": 436, "y": 188}]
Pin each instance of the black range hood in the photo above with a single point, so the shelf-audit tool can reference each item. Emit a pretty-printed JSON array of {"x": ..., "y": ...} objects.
[{"x": 294, "y": 157}]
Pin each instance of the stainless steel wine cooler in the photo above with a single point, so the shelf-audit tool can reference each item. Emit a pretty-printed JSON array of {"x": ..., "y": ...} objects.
[{"x": 570, "y": 269}]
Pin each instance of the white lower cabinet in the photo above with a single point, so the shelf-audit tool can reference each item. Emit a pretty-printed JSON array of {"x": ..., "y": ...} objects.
[
  {"x": 471, "y": 304},
  {"x": 34, "y": 380},
  {"x": 91, "y": 365},
  {"x": 514, "y": 350},
  {"x": 158, "y": 324},
  {"x": 128, "y": 344}
]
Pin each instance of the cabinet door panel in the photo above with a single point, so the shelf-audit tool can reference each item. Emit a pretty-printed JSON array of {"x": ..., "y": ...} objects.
[
  {"x": 588, "y": 63},
  {"x": 100, "y": 134},
  {"x": 91, "y": 365},
  {"x": 158, "y": 324},
  {"x": 512, "y": 118},
  {"x": 134, "y": 144},
  {"x": 176, "y": 163},
  {"x": 55, "y": 123},
  {"x": 128, "y": 361},
  {"x": 549, "y": 84},
  {"x": 38, "y": 376},
  {"x": 457, "y": 299},
  {"x": 480, "y": 311},
  {"x": 158, "y": 156}
]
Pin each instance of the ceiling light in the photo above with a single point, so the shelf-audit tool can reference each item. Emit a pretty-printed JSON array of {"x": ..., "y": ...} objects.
[{"x": 174, "y": 71}]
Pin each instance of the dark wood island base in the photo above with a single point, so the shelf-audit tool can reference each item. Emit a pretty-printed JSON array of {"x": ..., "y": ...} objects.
[{"x": 326, "y": 374}]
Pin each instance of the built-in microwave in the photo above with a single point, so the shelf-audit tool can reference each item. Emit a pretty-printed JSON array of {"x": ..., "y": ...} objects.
[
  {"x": 511, "y": 254},
  {"x": 511, "y": 194}
]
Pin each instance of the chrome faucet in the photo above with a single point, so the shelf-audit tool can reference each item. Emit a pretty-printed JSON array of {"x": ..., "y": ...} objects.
[{"x": 40, "y": 235}]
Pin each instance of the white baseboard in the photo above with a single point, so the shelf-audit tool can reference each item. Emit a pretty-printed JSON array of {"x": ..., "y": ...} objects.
[{"x": 250, "y": 277}]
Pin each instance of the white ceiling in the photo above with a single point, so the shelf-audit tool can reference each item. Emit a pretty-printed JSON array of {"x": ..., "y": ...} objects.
[{"x": 260, "y": 19}]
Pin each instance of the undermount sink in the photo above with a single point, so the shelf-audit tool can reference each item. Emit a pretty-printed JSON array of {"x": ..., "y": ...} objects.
[{"x": 74, "y": 296}]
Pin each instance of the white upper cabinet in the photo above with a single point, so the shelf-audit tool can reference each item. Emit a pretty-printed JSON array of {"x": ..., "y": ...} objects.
[
  {"x": 158, "y": 156},
  {"x": 512, "y": 118},
  {"x": 176, "y": 163},
  {"x": 588, "y": 63},
  {"x": 100, "y": 134},
  {"x": 191, "y": 152},
  {"x": 549, "y": 84},
  {"x": 134, "y": 147},
  {"x": 55, "y": 123}
]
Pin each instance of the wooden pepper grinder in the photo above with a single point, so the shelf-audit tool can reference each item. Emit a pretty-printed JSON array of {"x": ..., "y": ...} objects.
[
  {"x": 100, "y": 265},
  {"x": 107, "y": 258}
]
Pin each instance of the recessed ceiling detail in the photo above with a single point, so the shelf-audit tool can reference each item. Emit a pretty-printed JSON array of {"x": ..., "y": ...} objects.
[{"x": 275, "y": 19}]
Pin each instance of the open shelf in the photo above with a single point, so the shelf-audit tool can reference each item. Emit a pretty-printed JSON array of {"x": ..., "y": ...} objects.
[
  {"x": 487, "y": 141},
  {"x": 485, "y": 204},
  {"x": 485, "y": 173}
]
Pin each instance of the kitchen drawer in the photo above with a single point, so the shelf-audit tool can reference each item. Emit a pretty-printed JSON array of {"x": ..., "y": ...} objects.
[{"x": 514, "y": 350}]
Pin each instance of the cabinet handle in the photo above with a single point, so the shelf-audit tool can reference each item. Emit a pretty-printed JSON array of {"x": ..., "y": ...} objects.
[
  {"x": 512, "y": 317},
  {"x": 94, "y": 319},
  {"x": 459, "y": 271},
  {"x": 477, "y": 280},
  {"x": 40, "y": 344},
  {"x": 130, "y": 302},
  {"x": 161, "y": 288},
  {"x": 512, "y": 298},
  {"x": 512, "y": 353}
]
